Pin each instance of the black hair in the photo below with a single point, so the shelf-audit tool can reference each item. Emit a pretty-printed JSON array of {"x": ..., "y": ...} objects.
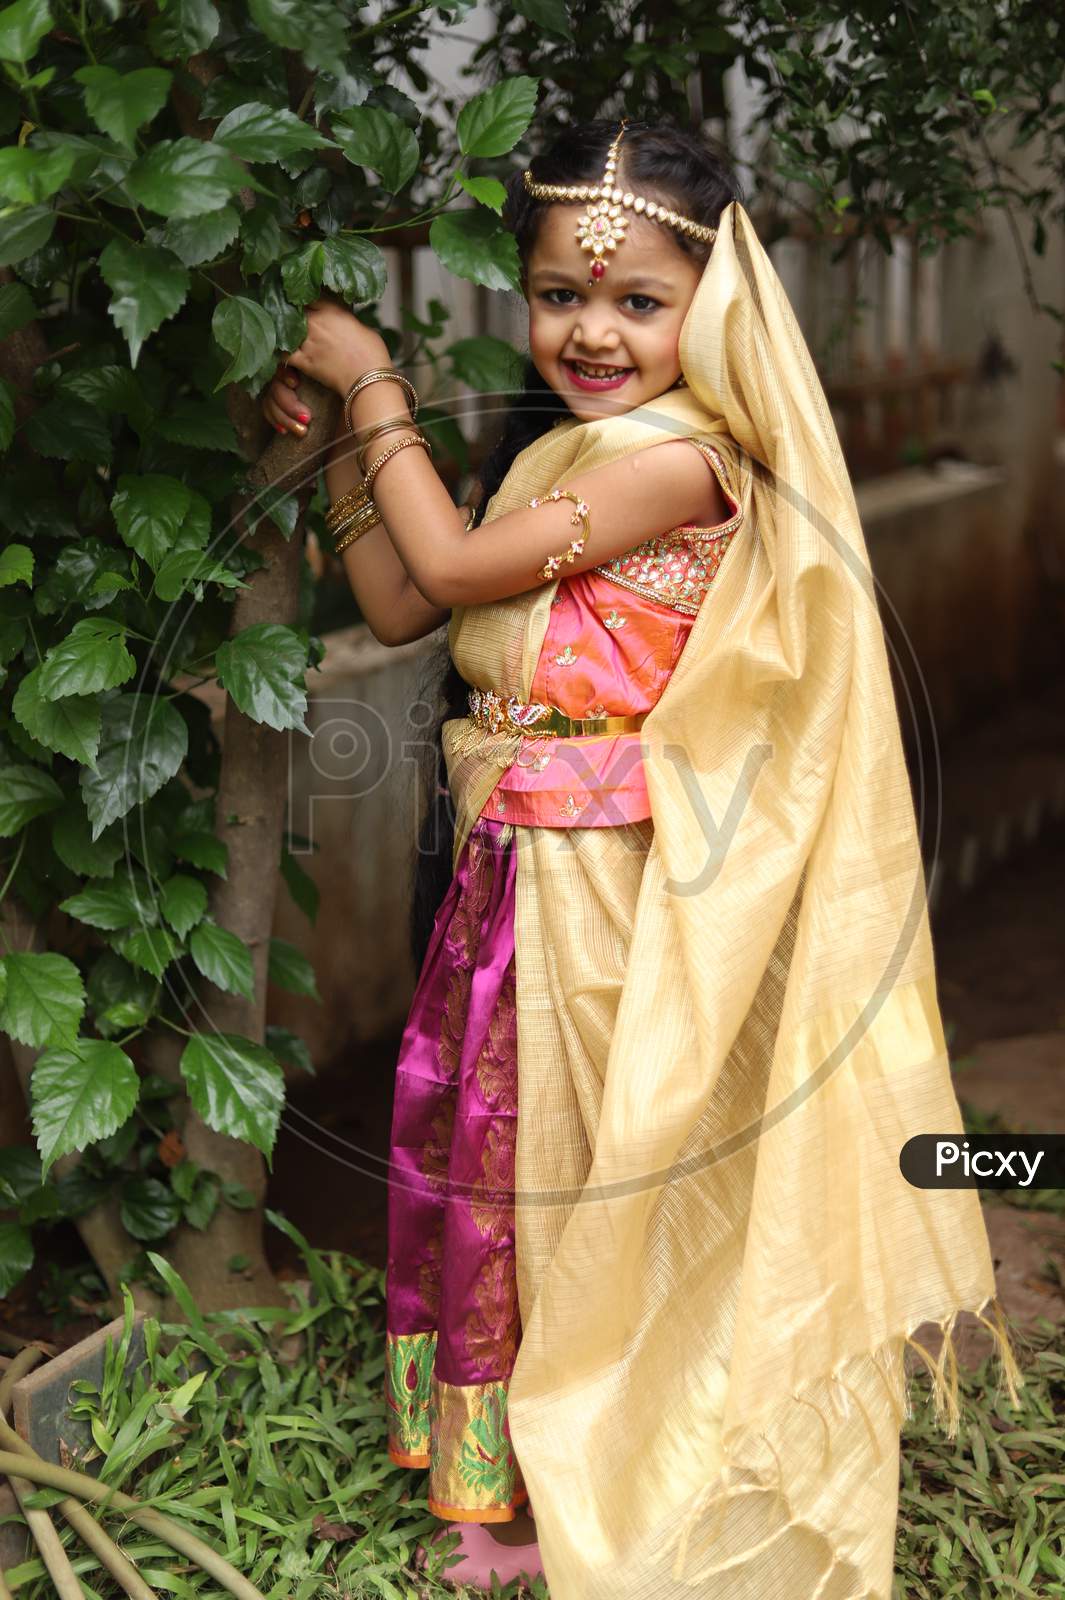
[{"x": 691, "y": 175}]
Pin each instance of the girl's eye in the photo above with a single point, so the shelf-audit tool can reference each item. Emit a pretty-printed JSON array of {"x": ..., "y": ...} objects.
[{"x": 646, "y": 302}]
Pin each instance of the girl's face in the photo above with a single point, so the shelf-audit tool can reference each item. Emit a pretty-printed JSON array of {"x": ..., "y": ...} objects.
[{"x": 626, "y": 324}]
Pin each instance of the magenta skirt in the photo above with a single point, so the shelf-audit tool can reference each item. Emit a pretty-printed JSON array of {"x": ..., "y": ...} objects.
[{"x": 453, "y": 1326}]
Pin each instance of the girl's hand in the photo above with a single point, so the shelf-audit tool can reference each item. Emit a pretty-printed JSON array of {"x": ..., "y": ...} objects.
[
  {"x": 338, "y": 348},
  {"x": 282, "y": 407}
]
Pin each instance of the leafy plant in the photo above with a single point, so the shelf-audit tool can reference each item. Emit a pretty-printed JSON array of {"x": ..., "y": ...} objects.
[
  {"x": 263, "y": 1431},
  {"x": 179, "y": 183}
]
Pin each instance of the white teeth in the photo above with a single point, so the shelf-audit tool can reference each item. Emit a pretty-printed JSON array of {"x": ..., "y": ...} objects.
[{"x": 598, "y": 372}]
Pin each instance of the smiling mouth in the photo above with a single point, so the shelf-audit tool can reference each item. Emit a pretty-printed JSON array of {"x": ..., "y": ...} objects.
[{"x": 590, "y": 372}]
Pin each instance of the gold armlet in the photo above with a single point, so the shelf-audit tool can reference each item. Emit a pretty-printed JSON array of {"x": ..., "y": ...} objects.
[{"x": 578, "y": 519}]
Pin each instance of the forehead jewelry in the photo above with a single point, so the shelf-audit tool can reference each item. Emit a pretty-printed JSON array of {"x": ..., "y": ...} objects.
[{"x": 602, "y": 228}]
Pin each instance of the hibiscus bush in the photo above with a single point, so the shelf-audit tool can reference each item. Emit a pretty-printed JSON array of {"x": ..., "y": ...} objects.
[{"x": 179, "y": 180}]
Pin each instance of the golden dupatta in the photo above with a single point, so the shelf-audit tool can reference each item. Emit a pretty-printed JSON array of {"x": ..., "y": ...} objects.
[{"x": 725, "y": 1036}]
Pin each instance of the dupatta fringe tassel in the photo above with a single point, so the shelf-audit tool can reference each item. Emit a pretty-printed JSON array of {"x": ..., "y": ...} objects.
[{"x": 889, "y": 1362}]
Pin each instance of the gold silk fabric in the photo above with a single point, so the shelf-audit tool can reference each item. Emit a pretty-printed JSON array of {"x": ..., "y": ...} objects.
[{"x": 727, "y": 1029}]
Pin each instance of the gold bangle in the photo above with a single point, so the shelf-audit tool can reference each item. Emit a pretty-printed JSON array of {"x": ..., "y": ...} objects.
[
  {"x": 340, "y": 545},
  {"x": 355, "y": 519},
  {"x": 385, "y": 427},
  {"x": 393, "y": 450},
  {"x": 579, "y": 518},
  {"x": 348, "y": 501},
  {"x": 377, "y": 375}
]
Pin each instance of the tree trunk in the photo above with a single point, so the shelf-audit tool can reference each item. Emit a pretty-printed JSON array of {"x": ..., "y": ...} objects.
[{"x": 250, "y": 811}]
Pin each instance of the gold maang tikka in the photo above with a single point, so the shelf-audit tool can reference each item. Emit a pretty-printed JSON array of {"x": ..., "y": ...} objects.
[{"x": 603, "y": 226}]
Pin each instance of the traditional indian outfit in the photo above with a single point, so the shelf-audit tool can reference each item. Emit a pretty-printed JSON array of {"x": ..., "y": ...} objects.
[{"x": 652, "y": 1260}]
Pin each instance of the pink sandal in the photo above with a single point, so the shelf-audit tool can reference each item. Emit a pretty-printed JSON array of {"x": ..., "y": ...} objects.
[{"x": 482, "y": 1556}]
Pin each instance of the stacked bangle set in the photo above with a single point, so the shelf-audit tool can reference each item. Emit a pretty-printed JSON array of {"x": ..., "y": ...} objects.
[{"x": 354, "y": 513}]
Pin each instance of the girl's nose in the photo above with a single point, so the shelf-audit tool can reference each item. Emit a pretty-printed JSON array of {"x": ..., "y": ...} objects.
[{"x": 598, "y": 338}]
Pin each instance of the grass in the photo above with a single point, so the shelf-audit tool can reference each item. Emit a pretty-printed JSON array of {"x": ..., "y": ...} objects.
[
  {"x": 983, "y": 1515},
  {"x": 264, "y": 1431}
]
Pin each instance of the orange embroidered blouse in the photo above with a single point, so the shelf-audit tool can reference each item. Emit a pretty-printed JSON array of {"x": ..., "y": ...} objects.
[{"x": 615, "y": 634}]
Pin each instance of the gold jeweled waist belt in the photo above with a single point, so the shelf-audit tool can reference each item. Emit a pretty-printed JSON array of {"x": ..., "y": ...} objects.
[{"x": 508, "y": 714}]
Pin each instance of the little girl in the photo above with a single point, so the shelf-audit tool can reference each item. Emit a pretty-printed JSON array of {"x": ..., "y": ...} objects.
[{"x": 683, "y": 847}]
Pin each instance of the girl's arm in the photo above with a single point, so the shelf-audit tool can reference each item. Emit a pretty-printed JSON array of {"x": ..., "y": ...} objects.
[
  {"x": 392, "y": 607},
  {"x": 646, "y": 493}
]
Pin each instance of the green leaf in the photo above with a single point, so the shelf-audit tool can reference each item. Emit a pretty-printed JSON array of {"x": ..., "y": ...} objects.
[
  {"x": 25, "y": 793},
  {"x": 22, "y": 27},
  {"x": 149, "y": 286},
  {"x": 93, "y": 656},
  {"x": 223, "y": 958},
  {"x": 113, "y": 389},
  {"x": 371, "y": 137},
  {"x": 16, "y": 308},
  {"x": 69, "y": 429},
  {"x": 150, "y": 511},
  {"x": 143, "y": 742},
  {"x": 201, "y": 849},
  {"x": 473, "y": 245},
  {"x": 43, "y": 1000},
  {"x": 492, "y": 123},
  {"x": 20, "y": 1174},
  {"x": 301, "y": 886},
  {"x": 263, "y": 670},
  {"x": 16, "y": 1255},
  {"x": 195, "y": 240},
  {"x": 255, "y": 132},
  {"x": 487, "y": 191},
  {"x": 355, "y": 268},
  {"x": 548, "y": 14},
  {"x": 75, "y": 848},
  {"x": 184, "y": 177},
  {"x": 486, "y": 363},
  {"x": 261, "y": 233},
  {"x": 184, "y": 903},
  {"x": 236, "y": 1087},
  {"x": 80, "y": 1092},
  {"x": 151, "y": 949},
  {"x": 72, "y": 726},
  {"x": 25, "y": 232},
  {"x": 120, "y": 996},
  {"x": 120, "y": 103},
  {"x": 16, "y": 565},
  {"x": 246, "y": 332},
  {"x": 108, "y": 906},
  {"x": 29, "y": 176},
  {"x": 289, "y": 969},
  {"x": 201, "y": 424},
  {"x": 301, "y": 272},
  {"x": 288, "y": 1048},
  {"x": 316, "y": 28},
  {"x": 149, "y": 1210},
  {"x": 184, "y": 29}
]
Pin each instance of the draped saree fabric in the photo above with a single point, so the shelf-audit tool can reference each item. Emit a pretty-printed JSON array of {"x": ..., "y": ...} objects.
[{"x": 724, "y": 1043}]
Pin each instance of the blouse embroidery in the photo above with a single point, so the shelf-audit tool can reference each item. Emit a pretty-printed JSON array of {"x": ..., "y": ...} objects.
[
  {"x": 677, "y": 574},
  {"x": 613, "y": 620},
  {"x": 677, "y": 568},
  {"x": 566, "y": 657}
]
